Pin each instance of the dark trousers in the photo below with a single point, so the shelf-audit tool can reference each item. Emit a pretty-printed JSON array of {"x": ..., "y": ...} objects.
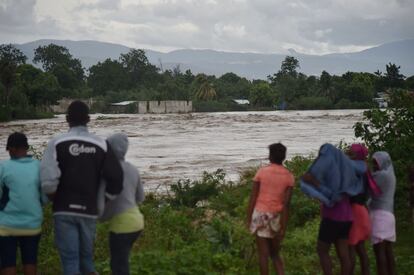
[{"x": 120, "y": 246}]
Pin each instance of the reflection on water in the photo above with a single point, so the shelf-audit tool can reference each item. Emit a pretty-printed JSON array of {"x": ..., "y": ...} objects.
[{"x": 168, "y": 147}]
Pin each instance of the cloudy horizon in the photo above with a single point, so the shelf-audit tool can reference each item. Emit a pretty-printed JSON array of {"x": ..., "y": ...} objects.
[{"x": 263, "y": 26}]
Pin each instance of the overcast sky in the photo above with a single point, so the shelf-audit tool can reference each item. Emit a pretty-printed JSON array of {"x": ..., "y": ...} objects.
[{"x": 267, "y": 26}]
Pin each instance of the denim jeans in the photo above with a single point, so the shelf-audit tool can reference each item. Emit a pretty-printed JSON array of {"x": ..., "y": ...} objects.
[
  {"x": 120, "y": 246},
  {"x": 74, "y": 238}
]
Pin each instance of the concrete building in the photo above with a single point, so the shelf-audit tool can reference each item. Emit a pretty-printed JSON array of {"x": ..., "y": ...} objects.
[
  {"x": 64, "y": 103},
  {"x": 165, "y": 107},
  {"x": 134, "y": 107},
  {"x": 124, "y": 107}
]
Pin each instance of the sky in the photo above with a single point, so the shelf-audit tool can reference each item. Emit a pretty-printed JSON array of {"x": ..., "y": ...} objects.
[{"x": 264, "y": 26}]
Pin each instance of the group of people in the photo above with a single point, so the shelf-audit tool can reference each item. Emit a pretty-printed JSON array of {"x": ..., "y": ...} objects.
[
  {"x": 86, "y": 178},
  {"x": 357, "y": 204}
]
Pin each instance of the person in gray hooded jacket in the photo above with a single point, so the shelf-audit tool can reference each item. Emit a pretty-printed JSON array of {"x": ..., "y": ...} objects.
[{"x": 125, "y": 219}]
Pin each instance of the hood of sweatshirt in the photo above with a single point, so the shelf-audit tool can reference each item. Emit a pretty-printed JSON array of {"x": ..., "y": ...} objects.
[
  {"x": 383, "y": 159},
  {"x": 119, "y": 144}
]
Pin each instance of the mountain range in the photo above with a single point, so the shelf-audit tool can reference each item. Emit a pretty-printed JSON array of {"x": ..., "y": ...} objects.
[{"x": 249, "y": 65}]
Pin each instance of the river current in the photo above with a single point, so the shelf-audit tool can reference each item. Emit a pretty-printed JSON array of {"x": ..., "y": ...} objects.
[{"x": 169, "y": 147}]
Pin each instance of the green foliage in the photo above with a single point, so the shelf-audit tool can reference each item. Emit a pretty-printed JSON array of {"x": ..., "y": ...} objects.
[
  {"x": 133, "y": 77},
  {"x": 312, "y": 103},
  {"x": 189, "y": 193},
  {"x": 10, "y": 59},
  {"x": 392, "y": 130},
  {"x": 58, "y": 61},
  {"x": 210, "y": 106},
  {"x": 262, "y": 95},
  {"x": 212, "y": 238}
]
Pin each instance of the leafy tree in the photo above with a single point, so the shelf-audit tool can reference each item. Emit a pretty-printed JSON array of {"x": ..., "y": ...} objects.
[
  {"x": 325, "y": 82},
  {"x": 262, "y": 95},
  {"x": 58, "y": 61},
  {"x": 10, "y": 58},
  {"x": 287, "y": 81},
  {"x": 289, "y": 66},
  {"x": 360, "y": 88},
  {"x": 138, "y": 67},
  {"x": 109, "y": 75},
  {"x": 41, "y": 88},
  {"x": 232, "y": 86}
]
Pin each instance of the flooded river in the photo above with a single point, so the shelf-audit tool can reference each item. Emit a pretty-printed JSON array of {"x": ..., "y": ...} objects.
[{"x": 169, "y": 147}]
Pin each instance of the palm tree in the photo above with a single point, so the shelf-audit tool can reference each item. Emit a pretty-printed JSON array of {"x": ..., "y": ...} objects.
[
  {"x": 206, "y": 92},
  {"x": 205, "y": 89}
]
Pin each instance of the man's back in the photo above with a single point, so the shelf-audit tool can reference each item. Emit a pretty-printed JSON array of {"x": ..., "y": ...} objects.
[{"x": 72, "y": 167}]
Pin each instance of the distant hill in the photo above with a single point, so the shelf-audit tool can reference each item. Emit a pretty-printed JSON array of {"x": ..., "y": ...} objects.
[{"x": 249, "y": 65}]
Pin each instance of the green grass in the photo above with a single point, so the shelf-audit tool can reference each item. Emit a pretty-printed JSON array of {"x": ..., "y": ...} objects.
[{"x": 212, "y": 238}]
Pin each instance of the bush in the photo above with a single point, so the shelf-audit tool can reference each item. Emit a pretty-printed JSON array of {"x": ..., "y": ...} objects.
[
  {"x": 189, "y": 193},
  {"x": 311, "y": 103},
  {"x": 209, "y": 106}
]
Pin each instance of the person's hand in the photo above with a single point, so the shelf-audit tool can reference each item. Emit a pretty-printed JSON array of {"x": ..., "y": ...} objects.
[{"x": 309, "y": 178}]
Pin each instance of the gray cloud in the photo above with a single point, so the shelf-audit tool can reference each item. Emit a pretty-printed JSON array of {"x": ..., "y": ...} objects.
[{"x": 310, "y": 26}]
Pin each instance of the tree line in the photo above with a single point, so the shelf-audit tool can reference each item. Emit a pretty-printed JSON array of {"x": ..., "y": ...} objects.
[{"x": 26, "y": 91}]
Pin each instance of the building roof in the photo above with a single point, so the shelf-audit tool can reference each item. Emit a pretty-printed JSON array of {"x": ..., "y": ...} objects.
[{"x": 123, "y": 103}]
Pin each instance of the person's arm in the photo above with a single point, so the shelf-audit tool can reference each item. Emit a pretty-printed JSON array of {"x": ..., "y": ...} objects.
[
  {"x": 252, "y": 203},
  {"x": 139, "y": 194},
  {"x": 285, "y": 213},
  {"x": 309, "y": 178},
  {"x": 113, "y": 174},
  {"x": 49, "y": 171}
]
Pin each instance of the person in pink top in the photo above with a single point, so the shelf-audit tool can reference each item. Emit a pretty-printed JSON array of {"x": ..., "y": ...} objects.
[{"x": 267, "y": 214}]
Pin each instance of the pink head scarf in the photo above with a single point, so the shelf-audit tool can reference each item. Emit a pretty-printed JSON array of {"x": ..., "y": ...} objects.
[{"x": 359, "y": 150}]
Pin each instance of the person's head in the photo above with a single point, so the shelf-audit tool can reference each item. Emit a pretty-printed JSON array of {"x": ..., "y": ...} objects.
[
  {"x": 357, "y": 151},
  {"x": 17, "y": 145},
  {"x": 381, "y": 161},
  {"x": 77, "y": 114},
  {"x": 277, "y": 153},
  {"x": 119, "y": 144}
]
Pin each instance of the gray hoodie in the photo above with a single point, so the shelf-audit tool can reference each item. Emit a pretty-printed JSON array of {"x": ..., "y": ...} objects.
[
  {"x": 385, "y": 179},
  {"x": 132, "y": 192}
]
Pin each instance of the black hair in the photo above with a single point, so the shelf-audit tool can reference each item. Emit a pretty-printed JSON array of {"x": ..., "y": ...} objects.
[
  {"x": 78, "y": 113},
  {"x": 17, "y": 140},
  {"x": 277, "y": 153}
]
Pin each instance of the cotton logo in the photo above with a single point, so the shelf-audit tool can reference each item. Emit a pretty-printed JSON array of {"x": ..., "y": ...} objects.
[{"x": 76, "y": 150}]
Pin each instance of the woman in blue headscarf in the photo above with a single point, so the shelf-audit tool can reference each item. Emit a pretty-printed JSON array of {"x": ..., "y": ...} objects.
[{"x": 332, "y": 178}]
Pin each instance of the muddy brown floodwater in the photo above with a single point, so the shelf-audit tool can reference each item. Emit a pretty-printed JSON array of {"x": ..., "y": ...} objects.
[{"x": 169, "y": 147}]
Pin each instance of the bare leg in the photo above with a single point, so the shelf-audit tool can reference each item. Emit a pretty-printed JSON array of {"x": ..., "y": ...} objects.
[
  {"x": 352, "y": 259},
  {"x": 363, "y": 258},
  {"x": 29, "y": 269},
  {"x": 263, "y": 249},
  {"x": 381, "y": 258},
  {"x": 9, "y": 271},
  {"x": 342, "y": 251},
  {"x": 324, "y": 257},
  {"x": 274, "y": 251},
  {"x": 390, "y": 258}
]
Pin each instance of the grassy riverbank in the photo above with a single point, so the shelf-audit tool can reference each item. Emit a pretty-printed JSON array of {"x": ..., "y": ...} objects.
[{"x": 200, "y": 229}]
